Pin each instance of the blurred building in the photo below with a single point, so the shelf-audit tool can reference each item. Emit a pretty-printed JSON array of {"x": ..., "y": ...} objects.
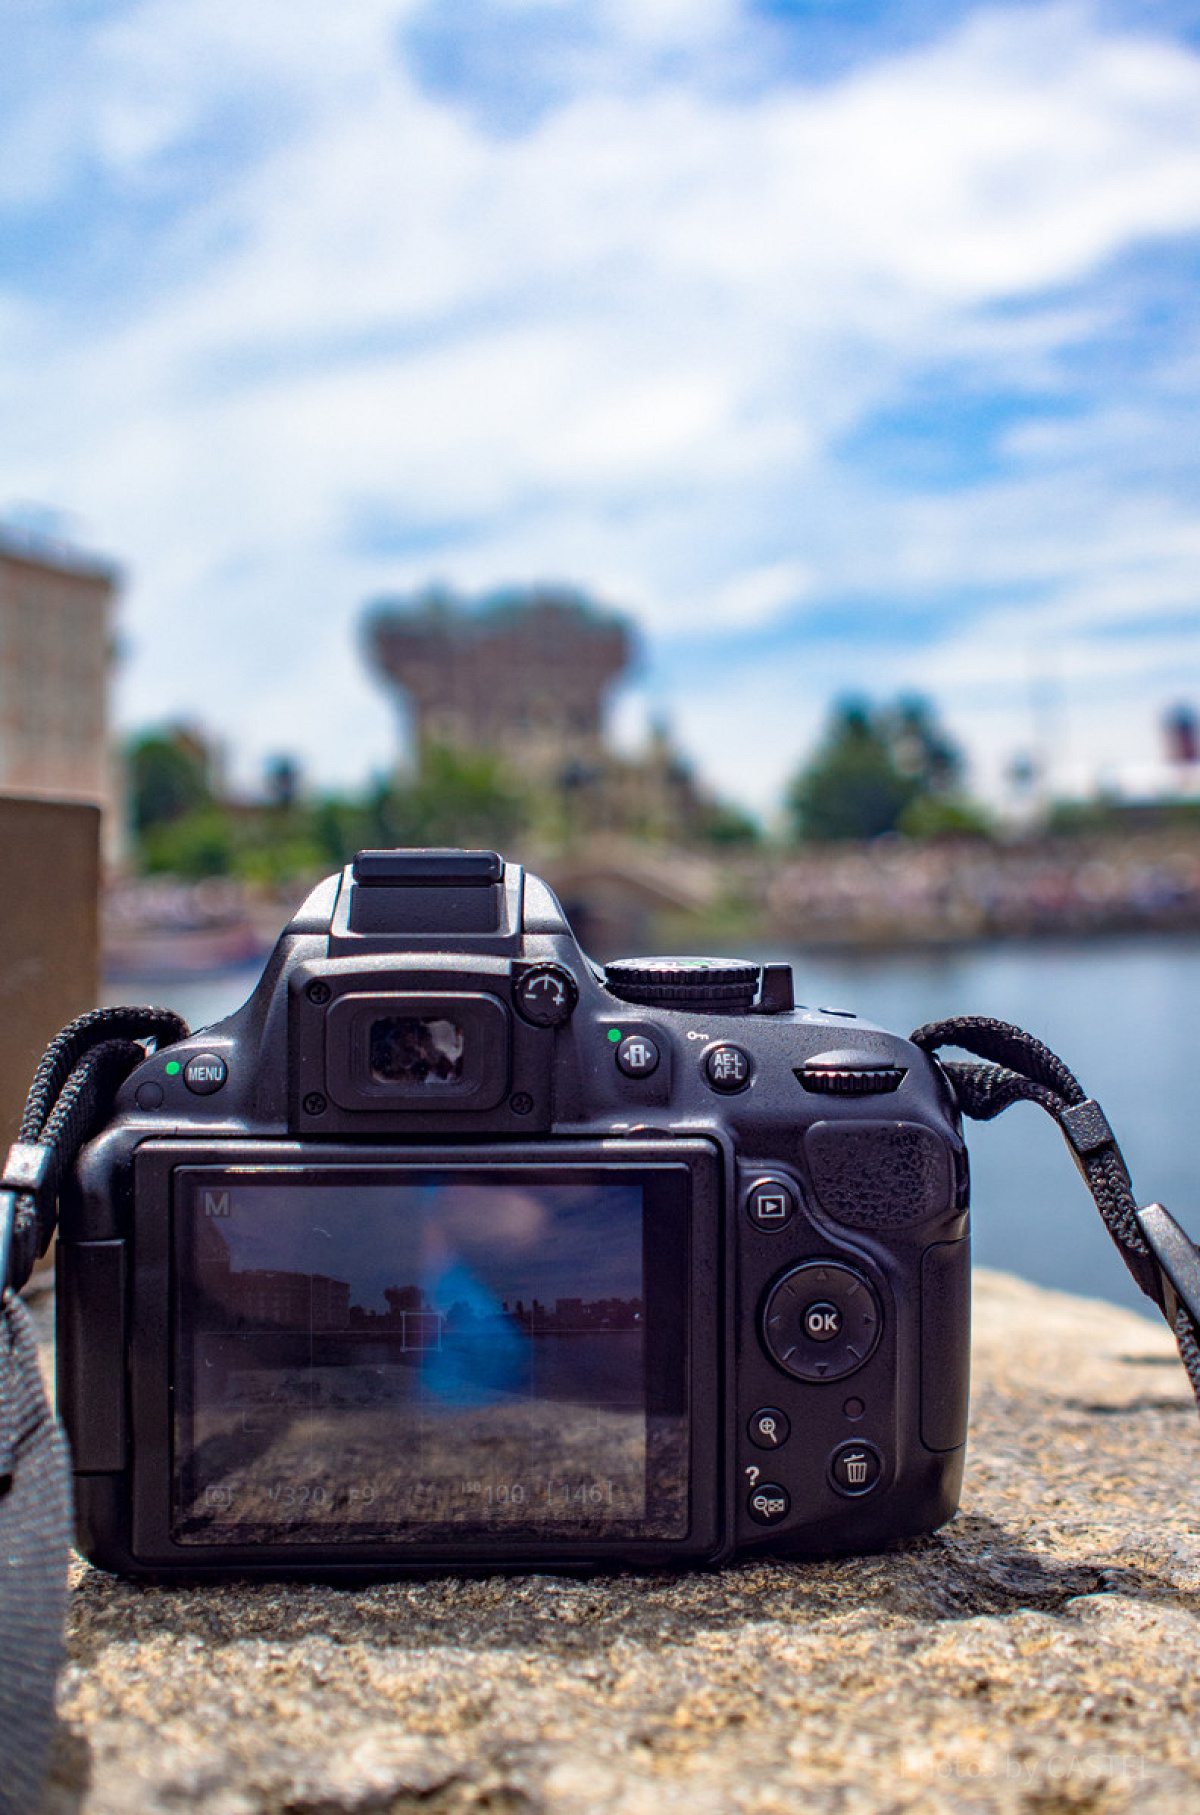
[
  {"x": 526, "y": 673},
  {"x": 266, "y": 1298},
  {"x": 56, "y": 656}
]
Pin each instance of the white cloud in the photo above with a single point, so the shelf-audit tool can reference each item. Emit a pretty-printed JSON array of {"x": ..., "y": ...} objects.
[
  {"x": 619, "y": 346},
  {"x": 762, "y": 594}
]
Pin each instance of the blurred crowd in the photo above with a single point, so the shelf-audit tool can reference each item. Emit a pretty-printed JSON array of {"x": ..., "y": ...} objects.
[
  {"x": 891, "y": 891},
  {"x": 894, "y": 892}
]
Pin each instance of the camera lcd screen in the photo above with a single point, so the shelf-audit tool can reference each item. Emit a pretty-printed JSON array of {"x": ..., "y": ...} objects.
[
  {"x": 414, "y": 1357},
  {"x": 407, "y": 1050}
]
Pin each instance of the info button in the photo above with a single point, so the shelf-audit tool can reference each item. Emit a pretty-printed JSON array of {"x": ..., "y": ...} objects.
[
  {"x": 637, "y": 1056},
  {"x": 204, "y": 1073}
]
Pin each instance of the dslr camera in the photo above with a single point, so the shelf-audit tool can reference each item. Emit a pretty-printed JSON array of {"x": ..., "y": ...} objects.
[{"x": 452, "y": 1248}]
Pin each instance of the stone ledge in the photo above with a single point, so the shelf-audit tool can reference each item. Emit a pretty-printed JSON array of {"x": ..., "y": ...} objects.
[{"x": 1042, "y": 1654}]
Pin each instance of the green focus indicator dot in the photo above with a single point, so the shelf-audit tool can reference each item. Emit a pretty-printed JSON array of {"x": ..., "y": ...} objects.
[
  {"x": 614, "y": 1034},
  {"x": 173, "y": 1067}
]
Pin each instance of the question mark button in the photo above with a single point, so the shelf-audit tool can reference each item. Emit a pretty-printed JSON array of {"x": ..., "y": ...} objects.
[{"x": 768, "y": 1503}]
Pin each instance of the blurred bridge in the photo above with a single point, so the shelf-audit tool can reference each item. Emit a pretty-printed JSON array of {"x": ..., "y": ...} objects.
[{"x": 614, "y": 890}]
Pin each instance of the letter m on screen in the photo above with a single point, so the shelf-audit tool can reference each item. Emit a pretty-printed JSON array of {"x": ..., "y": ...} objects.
[{"x": 216, "y": 1203}]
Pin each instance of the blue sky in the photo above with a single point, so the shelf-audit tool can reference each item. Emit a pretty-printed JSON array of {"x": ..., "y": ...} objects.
[{"x": 845, "y": 345}]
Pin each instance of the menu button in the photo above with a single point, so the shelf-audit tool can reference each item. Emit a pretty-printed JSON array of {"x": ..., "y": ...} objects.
[{"x": 204, "y": 1073}]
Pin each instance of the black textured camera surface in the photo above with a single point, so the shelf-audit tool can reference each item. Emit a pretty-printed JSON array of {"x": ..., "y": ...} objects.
[{"x": 878, "y": 1175}]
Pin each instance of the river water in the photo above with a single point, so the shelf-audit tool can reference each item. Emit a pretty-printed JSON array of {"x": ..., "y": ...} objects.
[{"x": 1124, "y": 1014}]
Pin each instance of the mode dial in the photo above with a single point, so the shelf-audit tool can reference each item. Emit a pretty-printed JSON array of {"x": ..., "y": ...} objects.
[{"x": 721, "y": 985}]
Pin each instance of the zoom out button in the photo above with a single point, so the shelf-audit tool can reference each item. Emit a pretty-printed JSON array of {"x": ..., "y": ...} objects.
[{"x": 768, "y": 1503}]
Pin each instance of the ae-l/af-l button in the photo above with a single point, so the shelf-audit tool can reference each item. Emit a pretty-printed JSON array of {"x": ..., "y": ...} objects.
[{"x": 727, "y": 1068}]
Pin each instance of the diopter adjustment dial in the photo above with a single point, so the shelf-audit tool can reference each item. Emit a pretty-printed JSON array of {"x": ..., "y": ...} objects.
[
  {"x": 545, "y": 995},
  {"x": 721, "y": 985}
]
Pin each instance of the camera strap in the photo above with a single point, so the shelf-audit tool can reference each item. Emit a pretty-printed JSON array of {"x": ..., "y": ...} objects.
[
  {"x": 1017, "y": 1068},
  {"x": 70, "y": 1100}
]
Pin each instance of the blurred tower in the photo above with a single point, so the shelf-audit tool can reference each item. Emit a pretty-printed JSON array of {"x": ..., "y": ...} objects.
[
  {"x": 56, "y": 654},
  {"x": 1181, "y": 730},
  {"x": 526, "y": 672}
]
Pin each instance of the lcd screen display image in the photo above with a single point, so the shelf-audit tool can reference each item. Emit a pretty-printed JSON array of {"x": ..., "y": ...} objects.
[{"x": 428, "y": 1356}]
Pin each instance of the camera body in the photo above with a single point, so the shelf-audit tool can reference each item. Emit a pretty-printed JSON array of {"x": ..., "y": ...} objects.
[{"x": 451, "y": 1249}]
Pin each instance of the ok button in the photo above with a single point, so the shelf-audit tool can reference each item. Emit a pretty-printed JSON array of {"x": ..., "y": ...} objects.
[{"x": 822, "y": 1322}]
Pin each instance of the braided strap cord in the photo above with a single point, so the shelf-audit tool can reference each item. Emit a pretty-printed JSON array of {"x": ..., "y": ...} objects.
[
  {"x": 82, "y": 1036},
  {"x": 70, "y": 1098},
  {"x": 1019, "y": 1068}
]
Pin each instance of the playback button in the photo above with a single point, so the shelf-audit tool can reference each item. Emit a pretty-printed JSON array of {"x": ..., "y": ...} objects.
[{"x": 771, "y": 1204}]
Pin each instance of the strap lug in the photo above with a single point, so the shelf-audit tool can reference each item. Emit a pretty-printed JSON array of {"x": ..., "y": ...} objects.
[
  {"x": 1178, "y": 1261},
  {"x": 8, "y": 1221}
]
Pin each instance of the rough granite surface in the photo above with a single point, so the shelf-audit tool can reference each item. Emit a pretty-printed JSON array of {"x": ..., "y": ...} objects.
[{"x": 1041, "y": 1654}]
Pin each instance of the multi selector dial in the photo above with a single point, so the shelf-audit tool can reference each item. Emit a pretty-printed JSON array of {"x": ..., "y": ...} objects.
[{"x": 821, "y": 1321}]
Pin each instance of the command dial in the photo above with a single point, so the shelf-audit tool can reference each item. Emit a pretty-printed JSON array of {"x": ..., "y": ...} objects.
[
  {"x": 722, "y": 985},
  {"x": 546, "y": 995}
]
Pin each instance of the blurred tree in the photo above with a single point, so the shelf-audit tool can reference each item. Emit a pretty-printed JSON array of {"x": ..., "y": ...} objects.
[
  {"x": 853, "y": 786},
  {"x": 461, "y": 797},
  {"x": 922, "y": 750},
  {"x": 882, "y": 770},
  {"x": 944, "y": 816},
  {"x": 722, "y": 823},
  {"x": 168, "y": 776},
  {"x": 282, "y": 776},
  {"x": 341, "y": 827},
  {"x": 196, "y": 844}
]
